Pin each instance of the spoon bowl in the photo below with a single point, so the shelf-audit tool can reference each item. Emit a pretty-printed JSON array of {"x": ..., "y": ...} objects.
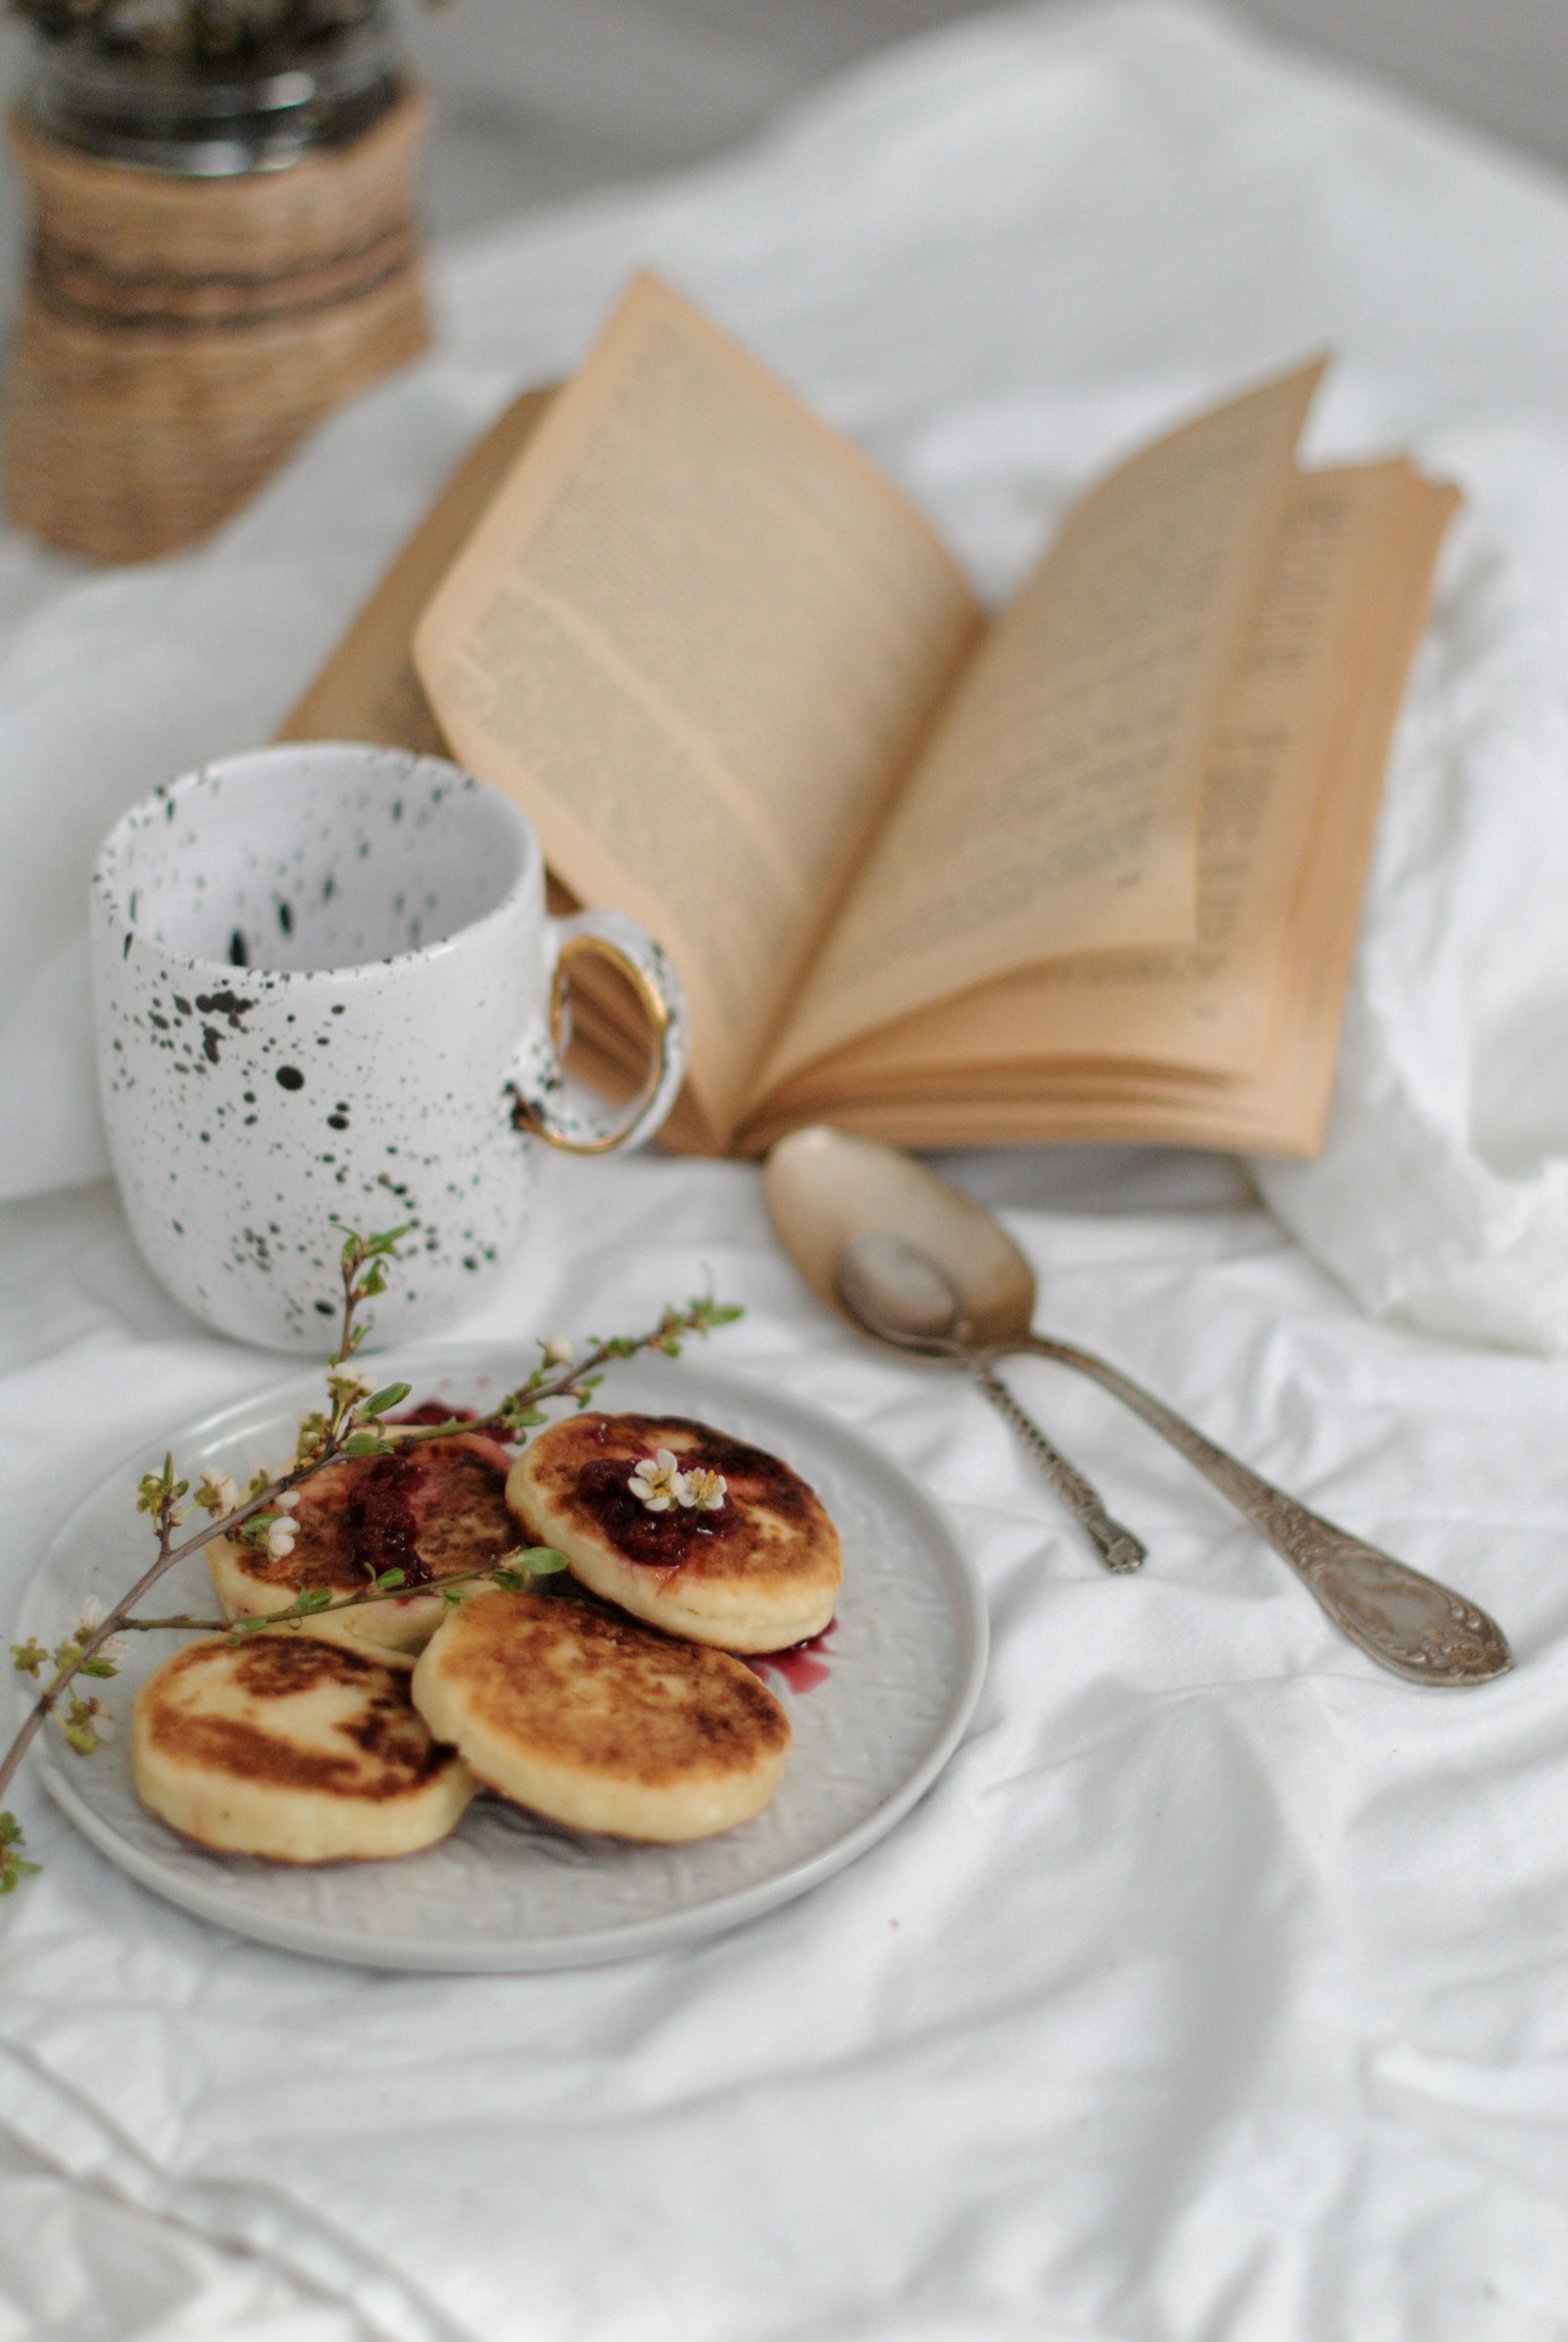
[
  {"x": 826, "y": 1188},
  {"x": 898, "y": 1293}
]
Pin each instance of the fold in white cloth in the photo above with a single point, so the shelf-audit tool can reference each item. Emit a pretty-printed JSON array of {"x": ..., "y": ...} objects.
[
  {"x": 995, "y": 259},
  {"x": 1216, "y": 1989}
]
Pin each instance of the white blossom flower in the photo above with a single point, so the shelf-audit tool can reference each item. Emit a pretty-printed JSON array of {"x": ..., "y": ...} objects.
[
  {"x": 225, "y": 1487},
  {"x": 560, "y": 1350},
  {"x": 92, "y": 1618},
  {"x": 658, "y": 1482},
  {"x": 281, "y": 1539},
  {"x": 702, "y": 1490},
  {"x": 103, "y": 1719},
  {"x": 289, "y": 1501}
]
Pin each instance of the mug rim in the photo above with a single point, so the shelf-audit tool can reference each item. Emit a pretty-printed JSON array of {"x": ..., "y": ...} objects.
[{"x": 201, "y": 776}]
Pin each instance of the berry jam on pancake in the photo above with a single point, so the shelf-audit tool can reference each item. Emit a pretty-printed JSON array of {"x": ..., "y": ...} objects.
[
  {"x": 752, "y": 1566},
  {"x": 432, "y": 1510}
]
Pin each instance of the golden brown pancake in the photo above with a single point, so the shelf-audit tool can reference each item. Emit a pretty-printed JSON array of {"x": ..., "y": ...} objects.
[
  {"x": 292, "y": 1747},
  {"x": 760, "y": 1574},
  {"x": 433, "y": 1510},
  {"x": 594, "y": 1721}
]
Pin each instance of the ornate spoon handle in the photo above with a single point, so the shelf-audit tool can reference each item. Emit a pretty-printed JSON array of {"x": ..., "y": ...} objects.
[
  {"x": 1116, "y": 1547},
  {"x": 1407, "y": 1622}
]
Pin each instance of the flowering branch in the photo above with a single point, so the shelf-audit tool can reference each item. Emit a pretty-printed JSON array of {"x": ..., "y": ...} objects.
[
  {"x": 352, "y": 1425},
  {"x": 515, "y": 1573}
]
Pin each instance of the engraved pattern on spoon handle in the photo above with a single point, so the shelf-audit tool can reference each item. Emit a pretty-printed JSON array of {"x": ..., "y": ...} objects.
[
  {"x": 1404, "y": 1619},
  {"x": 1116, "y": 1547}
]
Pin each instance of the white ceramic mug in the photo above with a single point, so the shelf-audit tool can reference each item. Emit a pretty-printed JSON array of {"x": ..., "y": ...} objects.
[{"x": 327, "y": 995}]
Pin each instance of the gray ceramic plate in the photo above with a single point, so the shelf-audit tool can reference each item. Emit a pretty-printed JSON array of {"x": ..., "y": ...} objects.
[{"x": 905, "y": 1665}]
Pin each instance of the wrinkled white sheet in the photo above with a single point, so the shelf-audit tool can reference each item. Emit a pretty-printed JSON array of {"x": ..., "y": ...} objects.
[
  {"x": 1216, "y": 1992},
  {"x": 996, "y": 259}
]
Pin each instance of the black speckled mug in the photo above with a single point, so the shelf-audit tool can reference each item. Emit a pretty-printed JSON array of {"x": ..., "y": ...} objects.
[{"x": 326, "y": 993}]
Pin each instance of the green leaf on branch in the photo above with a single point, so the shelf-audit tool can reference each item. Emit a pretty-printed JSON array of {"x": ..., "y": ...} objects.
[
  {"x": 393, "y": 1396},
  {"x": 707, "y": 1312},
  {"x": 539, "y": 1561},
  {"x": 13, "y": 1867},
  {"x": 80, "y": 1724},
  {"x": 312, "y": 1438},
  {"x": 389, "y": 1580}
]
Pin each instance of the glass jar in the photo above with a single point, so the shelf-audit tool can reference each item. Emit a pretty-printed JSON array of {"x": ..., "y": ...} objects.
[{"x": 199, "y": 120}]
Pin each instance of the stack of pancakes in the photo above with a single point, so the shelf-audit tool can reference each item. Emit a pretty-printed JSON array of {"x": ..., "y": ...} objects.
[{"x": 613, "y": 1705}]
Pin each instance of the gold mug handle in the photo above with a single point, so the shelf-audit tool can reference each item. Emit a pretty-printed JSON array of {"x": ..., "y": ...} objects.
[{"x": 541, "y": 1103}]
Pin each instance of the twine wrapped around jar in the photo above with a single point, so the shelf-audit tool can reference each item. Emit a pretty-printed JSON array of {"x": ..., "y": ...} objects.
[{"x": 178, "y": 336}]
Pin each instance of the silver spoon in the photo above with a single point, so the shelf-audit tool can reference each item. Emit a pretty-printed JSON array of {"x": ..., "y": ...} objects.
[
  {"x": 904, "y": 1300},
  {"x": 923, "y": 1267}
]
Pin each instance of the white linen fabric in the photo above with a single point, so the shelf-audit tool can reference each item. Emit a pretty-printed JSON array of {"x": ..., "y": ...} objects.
[
  {"x": 996, "y": 259},
  {"x": 1215, "y": 1991}
]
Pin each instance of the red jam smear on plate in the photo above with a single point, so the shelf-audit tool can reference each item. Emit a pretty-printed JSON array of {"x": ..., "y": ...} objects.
[{"x": 802, "y": 1665}]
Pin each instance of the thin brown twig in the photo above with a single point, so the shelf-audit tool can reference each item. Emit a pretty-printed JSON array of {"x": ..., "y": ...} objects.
[{"x": 526, "y": 1561}]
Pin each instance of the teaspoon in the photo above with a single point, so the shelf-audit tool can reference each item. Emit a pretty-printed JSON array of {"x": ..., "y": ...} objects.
[
  {"x": 921, "y": 1266},
  {"x": 905, "y": 1301}
]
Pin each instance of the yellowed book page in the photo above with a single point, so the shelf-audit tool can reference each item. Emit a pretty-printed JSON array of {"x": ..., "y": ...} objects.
[
  {"x": 1208, "y": 1005},
  {"x": 697, "y": 636},
  {"x": 1279, "y": 1107},
  {"x": 1283, "y": 1106},
  {"x": 981, "y": 1119},
  {"x": 1127, "y": 1106},
  {"x": 1056, "y": 808},
  {"x": 367, "y": 689},
  {"x": 1296, "y": 1091}
]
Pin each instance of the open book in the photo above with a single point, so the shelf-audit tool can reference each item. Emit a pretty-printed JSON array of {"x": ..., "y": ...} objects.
[{"x": 1087, "y": 870}]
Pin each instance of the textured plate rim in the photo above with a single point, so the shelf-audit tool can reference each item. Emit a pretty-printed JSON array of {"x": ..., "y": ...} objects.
[{"x": 666, "y": 1932}]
